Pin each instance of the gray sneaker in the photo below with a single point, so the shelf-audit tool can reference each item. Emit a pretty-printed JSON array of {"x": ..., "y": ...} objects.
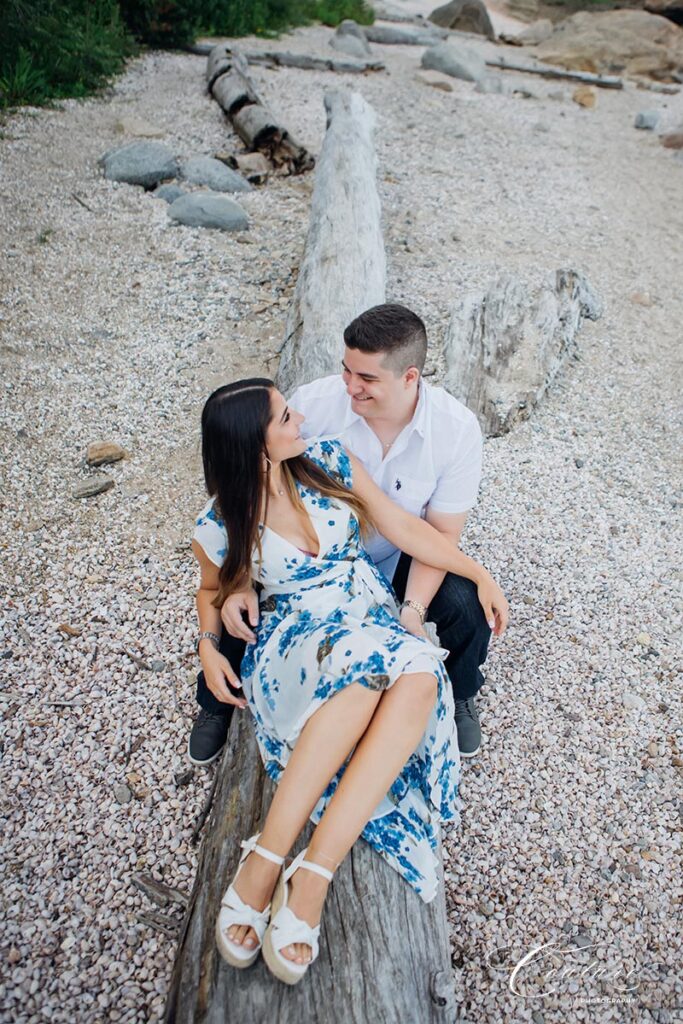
[
  {"x": 467, "y": 724},
  {"x": 208, "y": 737}
]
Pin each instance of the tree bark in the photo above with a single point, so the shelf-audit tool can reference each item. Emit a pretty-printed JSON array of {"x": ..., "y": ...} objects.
[
  {"x": 343, "y": 268},
  {"x": 384, "y": 954},
  {"x": 228, "y": 81},
  {"x": 504, "y": 349}
]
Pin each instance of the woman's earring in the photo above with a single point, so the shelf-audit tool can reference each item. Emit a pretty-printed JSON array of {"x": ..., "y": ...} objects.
[{"x": 270, "y": 464}]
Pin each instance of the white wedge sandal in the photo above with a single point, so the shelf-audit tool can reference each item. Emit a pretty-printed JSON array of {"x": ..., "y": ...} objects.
[
  {"x": 234, "y": 911},
  {"x": 286, "y": 928}
]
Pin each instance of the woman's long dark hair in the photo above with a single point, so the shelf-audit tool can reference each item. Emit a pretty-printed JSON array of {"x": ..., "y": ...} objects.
[{"x": 235, "y": 420}]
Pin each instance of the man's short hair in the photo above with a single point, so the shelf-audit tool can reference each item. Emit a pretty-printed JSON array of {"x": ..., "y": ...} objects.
[{"x": 393, "y": 330}]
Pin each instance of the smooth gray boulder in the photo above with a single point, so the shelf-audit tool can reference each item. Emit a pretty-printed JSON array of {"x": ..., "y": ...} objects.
[
  {"x": 208, "y": 210},
  {"x": 464, "y": 16},
  {"x": 455, "y": 60},
  {"x": 168, "y": 192},
  {"x": 647, "y": 120},
  {"x": 140, "y": 163},
  {"x": 206, "y": 170},
  {"x": 352, "y": 46},
  {"x": 349, "y": 27}
]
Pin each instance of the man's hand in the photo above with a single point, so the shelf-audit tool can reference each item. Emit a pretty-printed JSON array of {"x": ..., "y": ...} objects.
[
  {"x": 217, "y": 669},
  {"x": 496, "y": 608},
  {"x": 231, "y": 614}
]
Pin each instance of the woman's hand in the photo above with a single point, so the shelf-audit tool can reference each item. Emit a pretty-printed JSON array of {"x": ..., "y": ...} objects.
[
  {"x": 242, "y": 601},
  {"x": 410, "y": 620},
  {"x": 492, "y": 599},
  {"x": 217, "y": 669}
]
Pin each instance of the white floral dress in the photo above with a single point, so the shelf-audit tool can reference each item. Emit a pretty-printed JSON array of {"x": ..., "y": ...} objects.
[{"x": 329, "y": 621}]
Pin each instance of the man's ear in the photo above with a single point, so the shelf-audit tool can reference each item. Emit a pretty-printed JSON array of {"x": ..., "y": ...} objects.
[{"x": 411, "y": 375}]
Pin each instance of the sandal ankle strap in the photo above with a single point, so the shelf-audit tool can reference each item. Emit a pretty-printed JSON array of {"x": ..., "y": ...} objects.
[
  {"x": 300, "y": 862},
  {"x": 251, "y": 845}
]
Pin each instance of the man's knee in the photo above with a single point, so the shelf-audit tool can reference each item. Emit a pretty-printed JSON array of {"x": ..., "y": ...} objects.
[{"x": 456, "y": 604}]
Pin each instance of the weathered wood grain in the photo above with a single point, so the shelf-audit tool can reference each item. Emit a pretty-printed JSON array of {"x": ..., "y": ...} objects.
[
  {"x": 384, "y": 953},
  {"x": 504, "y": 349},
  {"x": 343, "y": 268}
]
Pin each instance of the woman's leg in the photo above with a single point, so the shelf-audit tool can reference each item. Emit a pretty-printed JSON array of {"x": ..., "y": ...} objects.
[
  {"x": 391, "y": 737},
  {"x": 324, "y": 744}
]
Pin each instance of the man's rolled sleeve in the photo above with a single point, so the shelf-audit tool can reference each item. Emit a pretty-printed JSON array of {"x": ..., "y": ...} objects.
[{"x": 458, "y": 485}]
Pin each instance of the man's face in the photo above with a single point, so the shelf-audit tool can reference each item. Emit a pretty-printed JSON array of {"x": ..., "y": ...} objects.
[{"x": 374, "y": 389}]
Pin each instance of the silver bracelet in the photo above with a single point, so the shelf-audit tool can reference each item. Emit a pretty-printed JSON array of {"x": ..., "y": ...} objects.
[{"x": 207, "y": 635}]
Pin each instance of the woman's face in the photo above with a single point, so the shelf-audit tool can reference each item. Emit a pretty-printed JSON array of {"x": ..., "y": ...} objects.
[{"x": 283, "y": 439}]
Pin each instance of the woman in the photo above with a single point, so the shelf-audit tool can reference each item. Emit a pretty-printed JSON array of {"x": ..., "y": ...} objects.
[{"x": 353, "y": 714}]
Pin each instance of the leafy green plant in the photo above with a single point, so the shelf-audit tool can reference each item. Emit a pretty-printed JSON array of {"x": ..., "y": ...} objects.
[
  {"x": 54, "y": 48},
  {"x": 164, "y": 23},
  {"x": 269, "y": 17}
]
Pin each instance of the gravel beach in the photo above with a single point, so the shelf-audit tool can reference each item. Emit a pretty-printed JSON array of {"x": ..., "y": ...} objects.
[{"x": 116, "y": 324}]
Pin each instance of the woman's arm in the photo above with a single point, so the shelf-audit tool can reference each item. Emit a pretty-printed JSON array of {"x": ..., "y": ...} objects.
[
  {"x": 420, "y": 540},
  {"x": 216, "y": 667}
]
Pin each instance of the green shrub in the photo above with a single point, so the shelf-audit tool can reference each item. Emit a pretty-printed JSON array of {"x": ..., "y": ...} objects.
[
  {"x": 53, "y": 48},
  {"x": 164, "y": 23},
  {"x": 268, "y": 17}
]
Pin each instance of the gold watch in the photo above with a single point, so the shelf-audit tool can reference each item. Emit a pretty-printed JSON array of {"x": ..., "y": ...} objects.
[{"x": 419, "y": 608}]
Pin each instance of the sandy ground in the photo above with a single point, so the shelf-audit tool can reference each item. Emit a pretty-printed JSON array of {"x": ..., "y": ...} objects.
[{"x": 115, "y": 326}]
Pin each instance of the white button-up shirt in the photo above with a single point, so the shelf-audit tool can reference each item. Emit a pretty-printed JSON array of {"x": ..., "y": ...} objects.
[{"x": 435, "y": 462}]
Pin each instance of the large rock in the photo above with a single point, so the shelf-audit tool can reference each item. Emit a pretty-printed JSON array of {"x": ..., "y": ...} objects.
[
  {"x": 205, "y": 170},
  {"x": 169, "y": 193},
  {"x": 524, "y": 10},
  {"x": 503, "y": 349},
  {"x": 615, "y": 41},
  {"x": 536, "y": 33},
  {"x": 207, "y": 210},
  {"x": 672, "y": 9},
  {"x": 140, "y": 163},
  {"x": 464, "y": 16},
  {"x": 350, "y": 40},
  {"x": 456, "y": 60}
]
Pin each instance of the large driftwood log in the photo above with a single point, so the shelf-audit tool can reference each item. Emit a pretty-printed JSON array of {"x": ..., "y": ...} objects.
[
  {"x": 343, "y": 268},
  {"x": 504, "y": 349},
  {"x": 384, "y": 954},
  {"x": 277, "y": 59},
  {"x": 284, "y": 59},
  {"x": 550, "y": 71},
  {"x": 228, "y": 81},
  {"x": 394, "y": 35}
]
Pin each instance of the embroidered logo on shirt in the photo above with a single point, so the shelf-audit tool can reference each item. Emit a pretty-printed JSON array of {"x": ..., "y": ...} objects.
[{"x": 397, "y": 485}]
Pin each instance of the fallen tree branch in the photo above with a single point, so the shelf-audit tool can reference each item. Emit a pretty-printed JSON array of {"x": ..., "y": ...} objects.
[
  {"x": 273, "y": 58},
  {"x": 550, "y": 71},
  {"x": 384, "y": 954},
  {"x": 228, "y": 81},
  {"x": 344, "y": 254},
  {"x": 158, "y": 892}
]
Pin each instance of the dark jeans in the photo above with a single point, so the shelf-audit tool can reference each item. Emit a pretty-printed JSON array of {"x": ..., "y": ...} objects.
[{"x": 459, "y": 620}]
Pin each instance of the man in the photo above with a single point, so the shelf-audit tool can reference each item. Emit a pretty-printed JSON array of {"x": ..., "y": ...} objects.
[{"x": 423, "y": 448}]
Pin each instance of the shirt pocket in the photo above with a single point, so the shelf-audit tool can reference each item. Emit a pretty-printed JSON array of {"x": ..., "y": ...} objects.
[{"x": 411, "y": 493}]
